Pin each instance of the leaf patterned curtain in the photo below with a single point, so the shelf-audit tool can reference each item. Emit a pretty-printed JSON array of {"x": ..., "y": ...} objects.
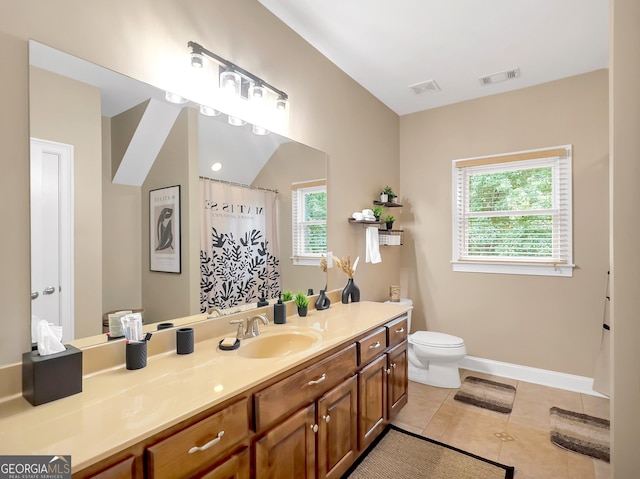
[{"x": 238, "y": 245}]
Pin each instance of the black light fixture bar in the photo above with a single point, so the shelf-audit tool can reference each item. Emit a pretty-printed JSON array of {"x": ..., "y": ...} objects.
[{"x": 200, "y": 50}]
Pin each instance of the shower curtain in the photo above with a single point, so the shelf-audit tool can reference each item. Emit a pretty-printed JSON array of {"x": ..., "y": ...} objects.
[{"x": 238, "y": 245}]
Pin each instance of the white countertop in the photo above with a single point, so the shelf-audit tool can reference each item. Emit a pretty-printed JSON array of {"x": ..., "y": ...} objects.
[{"x": 118, "y": 408}]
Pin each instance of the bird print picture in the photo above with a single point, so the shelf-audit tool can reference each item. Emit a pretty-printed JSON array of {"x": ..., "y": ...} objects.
[{"x": 164, "y": 231}]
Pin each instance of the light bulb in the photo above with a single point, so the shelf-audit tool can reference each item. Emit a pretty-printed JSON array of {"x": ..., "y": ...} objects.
[
  {"x": 230, "y": 82},
  {"x": 208, "y": 111},
  {"x": 235, "y": 121},
  {"x": 258, "y": 130},
  {"x": 197, "y": 60},
  {"x": 257, "y": 92},
  {"x": 217, "y": 166},
  {"x": 173, "y": 98},
  {"x": 282, "y": 103}
]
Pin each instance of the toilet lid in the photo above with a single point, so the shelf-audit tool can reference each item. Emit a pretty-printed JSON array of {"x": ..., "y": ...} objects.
[{"x": 432, "y": 338}]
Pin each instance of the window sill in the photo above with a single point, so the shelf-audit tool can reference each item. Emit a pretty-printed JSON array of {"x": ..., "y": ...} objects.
[
  {"x": 306, "y": 261},
  {"x": 533, "y": 269}
]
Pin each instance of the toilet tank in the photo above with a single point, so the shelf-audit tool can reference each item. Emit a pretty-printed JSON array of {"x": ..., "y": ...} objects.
[{"x": 408, "y": 302}]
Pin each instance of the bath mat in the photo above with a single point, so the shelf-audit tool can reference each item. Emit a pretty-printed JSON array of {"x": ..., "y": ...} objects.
[
  {"x": 403, "y": 455},
  {"x": 486, "y": 394},
  {"x": 580, "y": 433}
]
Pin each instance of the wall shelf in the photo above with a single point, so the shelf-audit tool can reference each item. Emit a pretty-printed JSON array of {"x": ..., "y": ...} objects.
[{"x": 388, "y": 204}]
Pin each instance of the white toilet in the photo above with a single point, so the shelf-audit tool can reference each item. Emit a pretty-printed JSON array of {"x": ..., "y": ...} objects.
[{"x": 433, "y": 357}]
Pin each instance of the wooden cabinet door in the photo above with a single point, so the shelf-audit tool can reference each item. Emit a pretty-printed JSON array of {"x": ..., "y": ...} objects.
[
  {"x": 125, "y": 469},
  {"x": 236, "y": 467},
  {"x": 338, "y": 429},
  {"x": 289, "y": 449},
  {"x": 397, "y": 379},
  {"x": 372, "y": 399}
]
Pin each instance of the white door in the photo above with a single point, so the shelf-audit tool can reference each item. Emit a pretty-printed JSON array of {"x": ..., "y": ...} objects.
[{"x": 52, "y": 234}]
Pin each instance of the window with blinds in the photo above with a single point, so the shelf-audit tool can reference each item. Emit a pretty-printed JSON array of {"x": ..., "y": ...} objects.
[
  {"x": 512, "y": 213},
  {"x": 309, "y": 222}
]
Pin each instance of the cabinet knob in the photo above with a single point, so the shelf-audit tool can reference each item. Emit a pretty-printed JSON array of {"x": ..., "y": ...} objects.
[
  {"x": 314, "y": 427},
  {"x": 375, "y": 345},
  {"x": 317, "y": 381},
  {"x": 326, "y": 418},
  {"x": 393, "y": 365},
  {"x": 215, "y": 440},
  {"x": 388, "y": 370}
]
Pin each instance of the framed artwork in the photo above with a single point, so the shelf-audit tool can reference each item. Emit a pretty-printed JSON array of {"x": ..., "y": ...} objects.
[{"x": 164, "y": 230}]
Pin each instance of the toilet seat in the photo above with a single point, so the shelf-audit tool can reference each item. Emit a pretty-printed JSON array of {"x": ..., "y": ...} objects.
[{"x": 435, "y": 339}]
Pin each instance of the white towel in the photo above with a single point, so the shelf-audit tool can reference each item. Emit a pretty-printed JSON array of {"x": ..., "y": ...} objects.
[{"x": 373, "y": 245}]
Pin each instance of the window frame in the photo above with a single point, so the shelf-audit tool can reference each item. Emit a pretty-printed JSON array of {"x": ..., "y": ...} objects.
[
  {"x": 561, "y": 262},
  {"x": 298, "y": 192}
]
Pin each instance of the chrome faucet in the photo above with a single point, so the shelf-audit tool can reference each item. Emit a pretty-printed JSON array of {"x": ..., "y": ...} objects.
[
  {"x": 250, "y": 329},
  {"x": 214, "y": 309}
]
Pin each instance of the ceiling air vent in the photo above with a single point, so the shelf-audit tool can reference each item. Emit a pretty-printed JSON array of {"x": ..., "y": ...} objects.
[
  {"x": 500, "y": 77},
  {"x": 424, "y": 87}
]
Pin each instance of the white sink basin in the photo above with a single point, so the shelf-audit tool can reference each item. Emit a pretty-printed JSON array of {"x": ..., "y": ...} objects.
[{"x": 274, "y": 343}]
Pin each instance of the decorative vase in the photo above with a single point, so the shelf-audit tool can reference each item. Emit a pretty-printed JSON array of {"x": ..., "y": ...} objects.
[
  {"x": 383, "y": 198},
  {"x": 350, "y": 292},
  {"x": 323, "y": 302},
  {"x": 302, "y": 311}
]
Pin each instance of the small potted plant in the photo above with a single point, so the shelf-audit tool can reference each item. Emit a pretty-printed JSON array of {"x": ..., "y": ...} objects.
[
  {"x": 286, "y": 296},
  {"x": 302, "y": 302},
  {"x": 390, "y": 194},
  {"x": 389, "y": 220},
  {"x": 377, "y": 212}
]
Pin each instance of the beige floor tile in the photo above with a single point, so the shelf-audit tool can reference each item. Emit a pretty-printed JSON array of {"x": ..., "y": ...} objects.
[
  {"x": 595, "y": 406},
  {"x": 417, "y": 413},
  {"x": 439, "y": 422},
  {"x": 532, "y": 453},
  {"x": 580, "y": 467},
  {"x": 603, "y": 469},
  {"x": 475, "y": 433},
  {"x": 432, "y": 393},
  {"x": 550, "y": 396},
  {"x": 407, "y": 427}
]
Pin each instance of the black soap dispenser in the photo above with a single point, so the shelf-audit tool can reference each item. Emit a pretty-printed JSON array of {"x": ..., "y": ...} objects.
[
  {"x": 279, "y": 312},
  {"x": 262, "y": 301}
]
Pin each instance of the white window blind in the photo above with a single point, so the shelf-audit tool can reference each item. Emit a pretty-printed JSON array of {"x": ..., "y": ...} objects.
[
  {"x": 309, "y": 221},
  {"x": 512, "y": 213}
]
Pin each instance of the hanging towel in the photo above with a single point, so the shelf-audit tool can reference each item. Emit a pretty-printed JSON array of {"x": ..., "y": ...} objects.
[{"x": 373, "y": 245}]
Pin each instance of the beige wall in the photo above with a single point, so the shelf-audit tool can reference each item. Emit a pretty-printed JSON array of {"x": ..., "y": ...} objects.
[
  {"x": 625, "y": 235},
  {"x": 66, "y": 111},
  {"x": 543, "y": 322},
  {"x": 121, "y": 222},
  {"x": 169, "y": 295},
  {"x": 291, "y": 163}
]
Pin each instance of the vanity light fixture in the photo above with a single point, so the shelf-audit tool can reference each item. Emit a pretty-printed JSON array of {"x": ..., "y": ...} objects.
[
  {"x": 217, "y": 166},
  {"x": 173, "y": 98},
  {"x": 233, "y": 72}
]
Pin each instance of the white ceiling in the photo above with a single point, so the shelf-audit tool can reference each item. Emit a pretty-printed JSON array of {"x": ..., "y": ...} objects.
[{"x": 386, "y": 46}]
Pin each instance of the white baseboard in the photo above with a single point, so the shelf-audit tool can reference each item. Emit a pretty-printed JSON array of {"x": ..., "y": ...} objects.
[{"x": 544, "y": 377}]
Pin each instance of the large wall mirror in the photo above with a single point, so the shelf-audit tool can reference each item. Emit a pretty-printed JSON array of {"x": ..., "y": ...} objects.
[{"x": 114, "y": 140}]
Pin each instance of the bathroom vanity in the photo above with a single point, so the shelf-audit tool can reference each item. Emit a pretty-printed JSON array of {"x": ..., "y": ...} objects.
[{"x": 241, "y": 414}]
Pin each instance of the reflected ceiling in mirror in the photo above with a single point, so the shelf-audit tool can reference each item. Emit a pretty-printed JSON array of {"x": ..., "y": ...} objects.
[{"x": 241, "y": 153}]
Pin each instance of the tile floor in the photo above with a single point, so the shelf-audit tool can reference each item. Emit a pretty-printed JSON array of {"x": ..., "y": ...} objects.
[{"x": 520, "y": 439}]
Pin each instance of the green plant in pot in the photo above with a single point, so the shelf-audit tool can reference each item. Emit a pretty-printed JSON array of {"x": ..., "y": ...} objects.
[
  {"x": 302, "y": 302},
  {"x": 377, "y": 212},
  {"x": 286, "y": 296},
  {"x": 389, "y": 192},
  {"x": 389, "y": 220}
]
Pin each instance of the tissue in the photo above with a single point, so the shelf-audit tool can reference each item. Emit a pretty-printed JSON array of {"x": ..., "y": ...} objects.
[{"x": 49, "y": 338}]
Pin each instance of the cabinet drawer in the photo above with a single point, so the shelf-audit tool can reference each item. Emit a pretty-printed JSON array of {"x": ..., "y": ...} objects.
[
  {"x": 201, "y": 444},
  {"x": 287, "y": 395},
  {"x": 372, "y": 345},
  {"x": 397, "y": 331}
]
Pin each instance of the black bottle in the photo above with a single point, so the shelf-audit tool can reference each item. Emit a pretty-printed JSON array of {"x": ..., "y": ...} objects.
[{"x": 279, "y": 312}]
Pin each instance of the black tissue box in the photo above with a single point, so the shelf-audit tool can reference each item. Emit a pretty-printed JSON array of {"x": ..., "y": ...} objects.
[{"x": 47, "y": 378}]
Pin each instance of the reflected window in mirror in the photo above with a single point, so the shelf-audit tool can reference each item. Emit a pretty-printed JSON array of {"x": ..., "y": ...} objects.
[{"x": 309, "y": 218}]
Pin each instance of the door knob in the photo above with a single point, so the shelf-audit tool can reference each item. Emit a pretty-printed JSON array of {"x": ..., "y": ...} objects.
[
  {"x": 34, "y": 294},
  {"x": 49, "y": 290}
]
